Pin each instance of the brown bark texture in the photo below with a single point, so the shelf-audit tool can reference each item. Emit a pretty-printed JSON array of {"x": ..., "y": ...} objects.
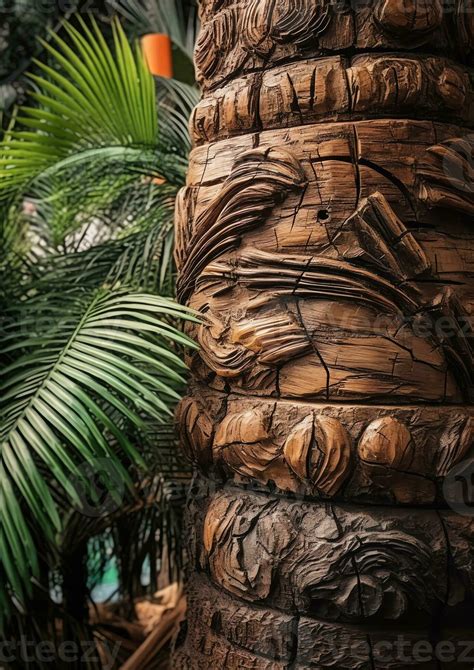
[{"x": 326, "y": 236}]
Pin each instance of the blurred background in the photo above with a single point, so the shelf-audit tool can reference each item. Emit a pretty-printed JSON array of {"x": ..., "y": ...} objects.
[{"x": 95, "y": 99}]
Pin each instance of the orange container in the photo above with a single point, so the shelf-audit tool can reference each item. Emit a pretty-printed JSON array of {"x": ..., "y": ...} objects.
[{"x": 158, "y": 54}]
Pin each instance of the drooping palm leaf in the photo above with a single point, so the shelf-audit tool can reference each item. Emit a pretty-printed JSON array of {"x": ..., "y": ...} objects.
[
  {"x": 104, "y": 362},
  {"x": 78, "y": 172}
]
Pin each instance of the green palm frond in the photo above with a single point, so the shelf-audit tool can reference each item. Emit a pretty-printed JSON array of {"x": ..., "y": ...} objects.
[
  {"x": 98, "y": 101},
  {"x": 15, "y": 251},
  {"x": 184, "y": 96},
  {"x": 108, "y": 204},
  {"x": 81, "y": 159},
  {"x": 89, "y": 365},
  {"x": 178, "y": 100},
  {"x": 93, "y": 359},
  {"x": 140, "y": 256}
]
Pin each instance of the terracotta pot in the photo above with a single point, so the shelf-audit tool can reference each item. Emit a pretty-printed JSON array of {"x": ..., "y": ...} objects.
[{"x": 158, "y": 54}]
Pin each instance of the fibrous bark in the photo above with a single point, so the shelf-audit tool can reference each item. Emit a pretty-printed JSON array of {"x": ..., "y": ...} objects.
[{"x": 326, "y": 235}]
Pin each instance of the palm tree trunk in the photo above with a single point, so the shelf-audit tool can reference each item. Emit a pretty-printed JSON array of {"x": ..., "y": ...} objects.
[{"x": 326, "y": 235}]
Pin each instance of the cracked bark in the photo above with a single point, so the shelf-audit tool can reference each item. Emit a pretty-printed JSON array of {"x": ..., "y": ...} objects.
[{"x": 325, "y": 233}]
